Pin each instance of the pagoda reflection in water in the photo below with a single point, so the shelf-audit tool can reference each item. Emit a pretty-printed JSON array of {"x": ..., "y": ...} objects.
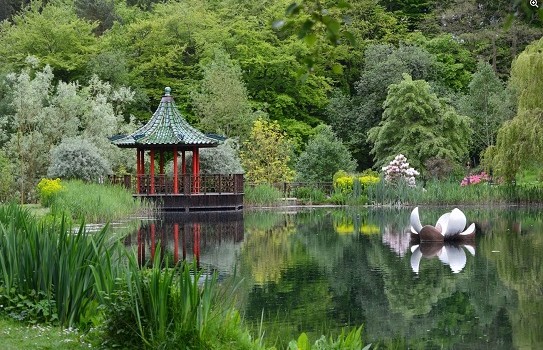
[{"x": 211, "y": 239}]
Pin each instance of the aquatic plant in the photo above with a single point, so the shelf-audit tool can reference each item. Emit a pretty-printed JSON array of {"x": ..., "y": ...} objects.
[{"x": 44, "y": 268}]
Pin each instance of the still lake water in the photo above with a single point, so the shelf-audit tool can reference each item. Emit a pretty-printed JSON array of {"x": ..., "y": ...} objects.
[{"x": 320, "y": 270}]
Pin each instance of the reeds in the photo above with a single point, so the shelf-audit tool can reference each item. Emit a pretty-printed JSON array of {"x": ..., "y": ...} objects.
[
  {"x": 450, "y": 193},
  {"x": 168, "y": 307},
  {"x": 45, "y": 268},
  {"x": 96, "y": 202},
  {"x": 262, "y": 194}
]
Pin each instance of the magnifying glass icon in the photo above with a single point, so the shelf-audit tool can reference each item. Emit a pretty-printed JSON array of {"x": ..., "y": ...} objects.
[{"x": 534, "y": 3}]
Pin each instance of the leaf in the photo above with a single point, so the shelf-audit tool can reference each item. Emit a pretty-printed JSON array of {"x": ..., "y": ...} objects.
[
  {"x": 337, "y": 68},
  {"x": 350, "y": 37},
  {"x": 310, "y": 39},
  {"x": 293, "y": 9},
  {"x": 333, "y": 26},
  {"x": 306, "y": 28},
  {"x": 342, "y": 4},
  {"x": 303, "y": 342},
  {"x": 367, "y": 347}
]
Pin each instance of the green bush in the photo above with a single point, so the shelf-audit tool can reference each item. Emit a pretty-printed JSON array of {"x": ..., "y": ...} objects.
[{"x": 77, "y": 158}]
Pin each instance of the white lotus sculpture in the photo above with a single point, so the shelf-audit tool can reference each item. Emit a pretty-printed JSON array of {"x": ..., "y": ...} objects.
[
  {"x": 450, "y": 226},
  {"x": 448, "y": 254}
]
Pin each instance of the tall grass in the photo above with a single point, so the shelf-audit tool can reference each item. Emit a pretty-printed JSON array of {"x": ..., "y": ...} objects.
[
  {"x": 96, "y": 202},
  {"x": 45, "y": 268},
  {"x": 262, "y": 194},
  {"x": 450, "y": 192}
]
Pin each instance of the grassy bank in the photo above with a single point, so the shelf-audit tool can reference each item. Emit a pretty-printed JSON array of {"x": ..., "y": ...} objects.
[
  {"x": 16, "y": 335},
  {"x": 94, "y": 203}
]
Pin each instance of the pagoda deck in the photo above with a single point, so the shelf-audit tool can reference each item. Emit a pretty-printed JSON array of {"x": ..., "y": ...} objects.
[{"x": 202, "y": 192}]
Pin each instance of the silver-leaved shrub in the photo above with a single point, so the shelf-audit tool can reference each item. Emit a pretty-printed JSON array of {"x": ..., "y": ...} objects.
[{"x": 77, "y": 158}]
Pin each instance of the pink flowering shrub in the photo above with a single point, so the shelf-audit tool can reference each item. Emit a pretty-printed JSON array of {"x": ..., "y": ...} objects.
[
  {"x": 475, "y": 179},
  {"x": 398, "y": 169}
]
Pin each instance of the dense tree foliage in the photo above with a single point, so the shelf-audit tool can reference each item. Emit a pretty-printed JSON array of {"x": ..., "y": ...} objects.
[
  {"x": 301, "y": 64},
  {"x": 489, "y": 104},
  {"x": 54, "y": 34},
  {"x": 266, "y": 154},
  {"x": 520, "y": 140},
  {"x": 418, "y": 124},
  {"x": 221, "y": 103},
  {"x": 323, "y": 157}
]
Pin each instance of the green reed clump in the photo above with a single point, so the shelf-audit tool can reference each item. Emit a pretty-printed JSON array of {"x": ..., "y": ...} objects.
[
  {"x": 45, "y": 272},
  {"x": 262, "y": 194},
  {"x": 351, "y": 340},
  {"x": 400, "y": 193},
  {"x": 93, "y": 202},
  {"x": 448, "y": 192},
  {"x": 167, "y": 308}
]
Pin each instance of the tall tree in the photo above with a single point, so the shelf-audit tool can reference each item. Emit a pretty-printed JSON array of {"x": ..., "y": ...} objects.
[
  {"x": 265, "y": 155},
  {"x": 222, "y": 103},
  {"x": 324, "y": 155},
  {"x": 420, "y": 126},
  {"x": 489, "y": 104},
  {"x": 520, "y": 140}
]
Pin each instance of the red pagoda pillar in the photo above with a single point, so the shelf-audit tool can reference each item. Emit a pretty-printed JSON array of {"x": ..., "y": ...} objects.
[
  {"x": 196, "y": 170},
  {"x": 152, "y": 171},
  {"x": 175, "y": 175}
]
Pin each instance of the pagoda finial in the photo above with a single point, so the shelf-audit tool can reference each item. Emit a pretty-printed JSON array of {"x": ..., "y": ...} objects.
[{"x": 167, "y": 91}]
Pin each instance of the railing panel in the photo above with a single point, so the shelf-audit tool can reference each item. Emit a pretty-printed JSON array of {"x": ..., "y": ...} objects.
[{"x": 187, "y": 183}]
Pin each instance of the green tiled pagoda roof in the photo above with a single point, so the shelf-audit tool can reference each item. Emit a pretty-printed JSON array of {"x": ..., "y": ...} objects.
[{"x": 166, "y": 127}]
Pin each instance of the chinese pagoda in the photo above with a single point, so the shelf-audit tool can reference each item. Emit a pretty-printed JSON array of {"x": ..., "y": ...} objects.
[{"x": 168, "y": 133}]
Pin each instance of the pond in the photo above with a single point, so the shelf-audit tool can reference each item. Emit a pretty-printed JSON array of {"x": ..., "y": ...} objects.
[{"x": 323, "y": 269}]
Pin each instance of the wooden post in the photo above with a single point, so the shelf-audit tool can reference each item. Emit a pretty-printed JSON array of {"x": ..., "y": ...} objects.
[
  {"x": 195, "y": 170},
  {"x": 175, "y": 175},
  {"x": 138, "y": 170},
  {"x": 161, "y": 171},
  {"x": 152, "y": 171},
  {"x": 183, "y": 163}
]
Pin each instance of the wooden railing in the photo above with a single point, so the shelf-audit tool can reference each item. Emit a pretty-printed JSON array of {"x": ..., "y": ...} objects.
[{"x": 187, "y": 184}]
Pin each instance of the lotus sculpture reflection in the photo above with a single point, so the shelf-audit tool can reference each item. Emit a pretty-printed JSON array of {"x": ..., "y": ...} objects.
[
  {"x": 449, "y": 254},
  {"x": 449, "y": 227}
]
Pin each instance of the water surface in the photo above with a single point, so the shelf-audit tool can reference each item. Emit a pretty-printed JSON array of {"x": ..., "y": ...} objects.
[{"x": 320, "y": 270}]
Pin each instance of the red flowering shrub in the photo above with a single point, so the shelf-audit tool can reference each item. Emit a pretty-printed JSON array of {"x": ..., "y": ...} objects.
[{"x": 475, "y": 179}]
